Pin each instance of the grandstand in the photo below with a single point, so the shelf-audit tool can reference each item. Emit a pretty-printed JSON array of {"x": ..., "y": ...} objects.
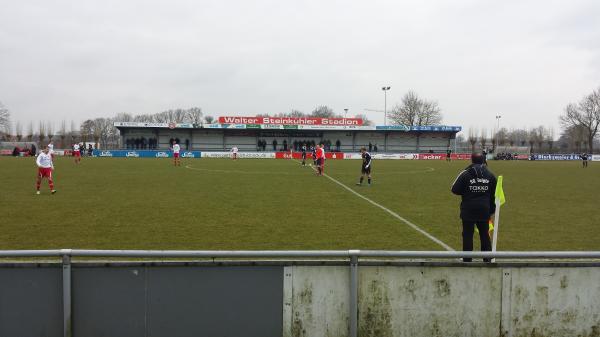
[{"x": 283, "y": 137}]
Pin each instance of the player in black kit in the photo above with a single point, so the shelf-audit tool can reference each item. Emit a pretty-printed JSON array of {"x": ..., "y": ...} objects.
[
  {"x": 303, "y": 154},
  {"x": 313, "y": 149},
  {"x": 584, "y": 159},
  {"x": 366, "y": 166}
]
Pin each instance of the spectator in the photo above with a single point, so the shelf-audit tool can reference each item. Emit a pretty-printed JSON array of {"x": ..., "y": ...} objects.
[{"x": 274, "y": 144}]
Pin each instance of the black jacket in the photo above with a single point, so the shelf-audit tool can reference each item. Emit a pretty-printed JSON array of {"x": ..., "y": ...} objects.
[{"x": 477, "y": 186}]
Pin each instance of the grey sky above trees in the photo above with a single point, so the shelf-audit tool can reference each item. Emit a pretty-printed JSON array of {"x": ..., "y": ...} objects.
[{"x": 79, "y": 60}]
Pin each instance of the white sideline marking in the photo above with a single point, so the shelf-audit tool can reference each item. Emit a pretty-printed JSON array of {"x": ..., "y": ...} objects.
[{"x": 389, "y": 211}]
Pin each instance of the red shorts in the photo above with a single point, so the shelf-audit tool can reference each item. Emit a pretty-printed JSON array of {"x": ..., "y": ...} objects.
[
  {"x": 175, "y": 155},
  {"x": 76, "y": 154},
  {"x": 45, "y": 172}
]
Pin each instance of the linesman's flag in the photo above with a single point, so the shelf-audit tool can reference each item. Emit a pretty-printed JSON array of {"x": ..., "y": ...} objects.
[
  {"x": 500, "y": 200},
  {"x": 500, "y": 192}
]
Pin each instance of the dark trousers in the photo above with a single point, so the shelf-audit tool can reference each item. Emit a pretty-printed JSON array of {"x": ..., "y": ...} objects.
[{"x": 467, "y": 233}]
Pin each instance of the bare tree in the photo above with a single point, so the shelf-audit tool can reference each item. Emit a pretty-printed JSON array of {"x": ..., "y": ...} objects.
[
  {"x": 18, "y": 131},
  {"x": 323, "y": 111},
  {"x": 4, "y": 117},
  {"x": 472, "y": 138},
  {"x": 194, "y": 115},
  {"x": 72, "y": 132},
  {"x": 585, "y": 114},
  {"x": 143, "y": 118},
  {"x": 30, "y": 131},
  {"x": 483, "y": 139},
  {"x": 550, "y": 139},
  {"x": 124, "y": 117},
  {"x": 365, "y": 119},
  {"x": 50, "y": 130},
  {"x": 87, "y": 129},
  {"x": 209, "y": 119},
  {"x": 414, "y": 111},
  {"x": 63, "y": 133},
  {"x": 41, "y": 133}
]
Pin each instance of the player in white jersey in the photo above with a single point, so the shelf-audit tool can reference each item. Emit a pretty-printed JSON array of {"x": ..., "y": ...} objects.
[
  {"x": 77, "y": 153},
  {"x": 234, "y": 152},
  {"x": 45, "y": 167},
  {"x": 176, "y": 148},
  {"x": 51, "y": 149}
]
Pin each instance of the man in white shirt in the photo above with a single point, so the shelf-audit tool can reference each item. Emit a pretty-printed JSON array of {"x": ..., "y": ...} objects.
[
  {"x": 176, "y": 148},
  {"x": 45, "y": 167},
  {"x": 77, "y": 153},
  {"x": 234, "y": 152}
]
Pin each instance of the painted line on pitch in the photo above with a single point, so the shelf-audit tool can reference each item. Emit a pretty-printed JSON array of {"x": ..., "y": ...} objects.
[{"x": 389, "y": 211}]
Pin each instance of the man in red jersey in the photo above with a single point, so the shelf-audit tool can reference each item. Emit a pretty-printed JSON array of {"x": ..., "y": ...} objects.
[
  {"x": 76, "y": 153},
  {"x": 45, "y": 167},
  {"x": 320, "y": 159}
]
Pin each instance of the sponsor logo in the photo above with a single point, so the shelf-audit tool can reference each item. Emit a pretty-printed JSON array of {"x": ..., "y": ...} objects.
[
  {"x": 430, "y": 156},
  {"x": 105, "y": 154},
  {"x": 162, "y": 154},
  {"x": 188, "y": 155},
  {"x": 172, "y": 125},
  {"x": 132, "y": 154}
]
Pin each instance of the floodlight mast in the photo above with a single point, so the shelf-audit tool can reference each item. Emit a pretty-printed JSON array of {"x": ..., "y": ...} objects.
[{"x": 385, "y": 90}]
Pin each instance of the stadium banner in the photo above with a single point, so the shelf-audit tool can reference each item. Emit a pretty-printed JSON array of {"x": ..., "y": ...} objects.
[
  {"x": 398, "y": 156},
  {"x": 298, "y": 155},
  {"x": 441, "y": 128},
  {"x": 442, "y": 156},
  {"x": 158, "y": 125},
  {"x": 596, "y": 157},
  {"x": 291, "y": 120},
  {"x": 431, "y": 156},
  {"x": 352, "y": 155},
  {"x": 241, "y": 155},
  {"x": 556, "y": 157},
  {"x": 144, "y": 154}
]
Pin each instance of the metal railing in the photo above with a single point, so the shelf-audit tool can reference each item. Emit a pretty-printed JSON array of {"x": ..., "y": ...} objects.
[{"x": 352, "y": 256}]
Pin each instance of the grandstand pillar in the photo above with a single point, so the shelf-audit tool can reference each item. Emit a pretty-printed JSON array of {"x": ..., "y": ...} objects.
[
  {"x": 353, "y": 141},
  {"x": 385, "y": 142},
  {"x": 418, "y": 142}
]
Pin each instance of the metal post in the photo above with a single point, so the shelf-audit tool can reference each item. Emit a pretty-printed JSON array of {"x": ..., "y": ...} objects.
[
  {"x": 354, "y": 293},
  {"x": 385, "y": 89},
  {"x": 66, "y": 266}
]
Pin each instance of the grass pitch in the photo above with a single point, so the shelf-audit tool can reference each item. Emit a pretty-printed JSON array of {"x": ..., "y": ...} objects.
[{"x": 133, "y": 203}]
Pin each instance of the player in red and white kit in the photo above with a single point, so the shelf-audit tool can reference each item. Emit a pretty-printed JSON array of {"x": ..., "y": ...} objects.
[
  {"x": 51, "y": 149},
  {"x": 320, "y": 160},
  {"x": 234, "y": 152},
  {"x": 77, "y": 153},
  {"x": 176, "y": 148},
  {"x": 45, "y": 167}
]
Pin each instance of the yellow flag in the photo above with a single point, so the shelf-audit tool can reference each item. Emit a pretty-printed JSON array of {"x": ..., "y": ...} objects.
[
  {"x": 499, "y": 191},
  {"x": 490, "y": 228}
]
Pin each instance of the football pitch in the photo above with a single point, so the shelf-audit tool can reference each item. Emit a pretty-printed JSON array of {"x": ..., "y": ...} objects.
[{"x": 220, "y": 204}]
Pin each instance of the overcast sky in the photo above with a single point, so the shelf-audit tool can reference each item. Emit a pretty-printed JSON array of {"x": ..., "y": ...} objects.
[{"x": 74, "y": 60}]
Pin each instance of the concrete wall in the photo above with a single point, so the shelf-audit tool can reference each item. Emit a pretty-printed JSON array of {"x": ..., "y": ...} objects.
[
  {"x": 445, "y": 301},
  {"x": 284, "y": 299}
]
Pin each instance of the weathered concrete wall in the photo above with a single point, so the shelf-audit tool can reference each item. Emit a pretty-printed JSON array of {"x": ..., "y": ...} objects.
[
  {"x": 438, "y": 300},
  {"x": 427, "y": 301},
  {"x": 553, "y": 302},
  {"x": 316, "y": 301}
]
